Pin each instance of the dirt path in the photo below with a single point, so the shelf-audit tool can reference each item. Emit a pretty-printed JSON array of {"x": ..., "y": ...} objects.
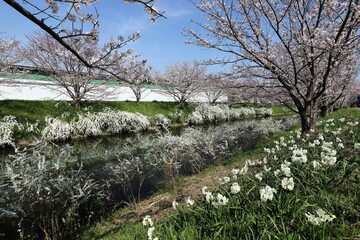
[{"x": 160, "y": 205}]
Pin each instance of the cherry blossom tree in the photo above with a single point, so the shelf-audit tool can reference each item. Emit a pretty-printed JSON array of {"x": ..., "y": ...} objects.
[
  {"x": 136, "y": 74},
  {"x": 182, "y": 81},
  {"x": 75, "y": 78},
  {"x": 301, "y": 44},
  {"x": 243, "y": 87},
  {"x": 9, "y": 50},
  {"x": 214, "y": 87},
  {"x": 342, "y": 88},
  {"x": 64, "y": 19}
]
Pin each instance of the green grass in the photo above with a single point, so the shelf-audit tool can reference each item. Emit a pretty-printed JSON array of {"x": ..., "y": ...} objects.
[
  {"x": 277, "y": 109},
  {"x": 281, "y": 110},
  {"x": 334, "y": 189},
  {"x": 36, "y": 110}
]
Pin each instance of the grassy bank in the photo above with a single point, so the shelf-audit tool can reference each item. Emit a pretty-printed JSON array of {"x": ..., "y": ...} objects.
[
  {"x": 36, "y": 111},
  {"x": 32, "y": 117},
  {"x": 289, "y": 187}
]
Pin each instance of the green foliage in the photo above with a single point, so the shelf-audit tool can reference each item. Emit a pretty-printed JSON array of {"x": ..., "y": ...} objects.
[
  {"x": 281, "y": 110},
  {"x": 111, "y": 231}
]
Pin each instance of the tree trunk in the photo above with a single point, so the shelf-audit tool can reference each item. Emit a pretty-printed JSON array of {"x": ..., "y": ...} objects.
[
  {"x": 324, "y": 111},
  {"x": 308, "y": 115},
  {"x": 137, "y": 97},
  {"x": 77, "y": 103},
  {"x": 182, "y": 102}
]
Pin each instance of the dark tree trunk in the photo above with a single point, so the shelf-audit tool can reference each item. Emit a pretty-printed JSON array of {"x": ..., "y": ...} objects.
[
  {"x": 137, "y": 98},
  {"x": 77, "y": 103},
  {"x": 324, "y": 111},
  {"x": 308, "y": 115}
]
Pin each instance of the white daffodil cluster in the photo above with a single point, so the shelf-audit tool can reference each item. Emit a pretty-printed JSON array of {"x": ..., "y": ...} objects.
[
  {"x": 288, "y": 183},
  {"x": 328, "y": 154},
  {"x": 216, "y": 201},
  {"x": 353, "y": 124},
  {"x": 208, "y": 195},
  {"x": 175, "y": 204},
  {"x": 339, "y": 142},
  {"x": 259, "y": 176},
  {"x": 319, "y": 217},
  {"x": 357, "y": 146},
  {"x": 224, "y": 180},
  {"x": 299, "y": 155},
  {"x": 220, "y": 200},
  {"x": 148, "y": 222},
  {"x": 235, "y": 188},
  {"x": 285, "y": 168},
  {"x": 235, "y": 173},
  {"x": 267, "y": 193},
  {"x": 316, "y": 164},
  {"x": 190, "y": 202},
  {"x": 315, "y": 143}
]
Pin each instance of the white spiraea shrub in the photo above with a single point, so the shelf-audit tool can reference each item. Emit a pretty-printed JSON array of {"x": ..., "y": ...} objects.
[
  {"x": 46, "y": 189},
  {"x": 220, "y": 113},
  {"x": 205, "y": 113},
  {"x": 118, "y": 121},
  {"x": 264, "y": 112},
  {"x": 94, "y": 124},
  {"x": 56, "y": 129},
  {"x": 195, "y": 118},
  {"x": 167, "y": 148},
  {"x": 236, "y": 113},
  {"x": 266, "y": 127},
  {"x": 161, "y": 120},
  {"x": 239, "y": 113},
  {"x": 110, "y": 121},
  {"x": 139, "y": 122},
  {"x": 7, "y": 126},
  {"x": 213, "y": 114},
  {"x": 32, "y": 127},
  {"x": 88, "y": 124}
]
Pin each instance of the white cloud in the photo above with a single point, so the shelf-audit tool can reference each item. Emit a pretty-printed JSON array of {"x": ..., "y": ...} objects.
[
  {"x": 176, "y": 9},
  {"x": 177, "y": 13},
  {"x": 131, "y": 25}
]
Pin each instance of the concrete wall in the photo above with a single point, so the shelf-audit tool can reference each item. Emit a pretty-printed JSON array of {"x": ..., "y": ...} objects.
[{"x": 22, "y": 89}]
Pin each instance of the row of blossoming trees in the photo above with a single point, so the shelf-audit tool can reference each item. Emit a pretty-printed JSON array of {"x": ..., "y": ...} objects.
[{"x": 304, "y": 53}]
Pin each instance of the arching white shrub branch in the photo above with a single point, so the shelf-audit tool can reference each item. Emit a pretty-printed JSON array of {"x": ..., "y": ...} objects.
[
  {"x": 7, "y": 127},
  {"x": 220, "y": 113}
]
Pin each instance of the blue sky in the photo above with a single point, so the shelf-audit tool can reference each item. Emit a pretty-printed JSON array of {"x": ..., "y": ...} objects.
[{"x": 162, "y": 43}]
